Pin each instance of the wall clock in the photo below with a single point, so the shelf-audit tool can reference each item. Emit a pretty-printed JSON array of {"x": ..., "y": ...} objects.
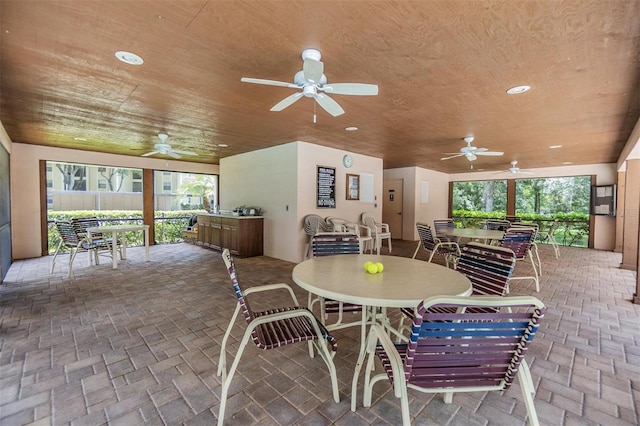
[{"x": 347, "y": 160}]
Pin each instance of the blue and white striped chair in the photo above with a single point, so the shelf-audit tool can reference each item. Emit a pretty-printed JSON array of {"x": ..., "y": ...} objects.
[
  {"x": 521, "y": 241},
  {"x": 458, "y": 344}
]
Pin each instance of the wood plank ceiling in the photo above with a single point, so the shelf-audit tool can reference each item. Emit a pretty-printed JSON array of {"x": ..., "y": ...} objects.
[{"x": 442, "y": 68}]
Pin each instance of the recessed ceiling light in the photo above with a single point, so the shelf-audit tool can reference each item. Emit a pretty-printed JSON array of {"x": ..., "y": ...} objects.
[
  {"x": 129, "y": 58},
  {"x": 567, "y": 162},
  {"x": 223, "y": 145},
  {"x": 518, "y": 89},
  {"x": 351, "y": 128},
  {"x": 555, "y": 146}
]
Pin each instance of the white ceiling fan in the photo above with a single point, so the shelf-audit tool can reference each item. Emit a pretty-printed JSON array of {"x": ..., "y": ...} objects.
[
  {"x": 471, "y": 152},
  {"x": 312, "y": 82},
  {"x": 514, "y": 169},
  {"x": 165, "y": 149}
]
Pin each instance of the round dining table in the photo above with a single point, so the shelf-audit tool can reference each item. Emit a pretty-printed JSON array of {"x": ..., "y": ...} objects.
[{"x": 403, "y": 283}]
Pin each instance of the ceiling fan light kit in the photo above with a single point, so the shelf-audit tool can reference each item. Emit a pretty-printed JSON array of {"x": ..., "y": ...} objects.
[
  {"x": 164, "y": 148},
  {"x": 312, "y": 82},
  {"x": 471, "y": 152}
]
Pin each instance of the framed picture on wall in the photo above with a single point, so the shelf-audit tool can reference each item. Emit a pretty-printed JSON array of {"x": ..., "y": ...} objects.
[{"x": 353, "y": 187}]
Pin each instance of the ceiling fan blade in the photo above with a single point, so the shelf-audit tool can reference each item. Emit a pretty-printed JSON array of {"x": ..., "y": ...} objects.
[
  {"x": 286, "y": 102},
  {"x": 269, "y": 82},
  {"x": 490, "y": 153},
  {"x": 313, "y": 70},
  {"x": 453, "y": 156},
  {"x": 178, "y": 151},
  {"x": 149, "y": 153},
  {"x": 329, "y": 104},
  {"x": 361, "y": 89},
  {"x": 173, "y": 154},
  {"x": 471, "y": 157}
]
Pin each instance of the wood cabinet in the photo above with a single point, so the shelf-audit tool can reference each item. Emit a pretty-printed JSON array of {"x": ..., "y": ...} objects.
[{"x": 243, "y": 236}]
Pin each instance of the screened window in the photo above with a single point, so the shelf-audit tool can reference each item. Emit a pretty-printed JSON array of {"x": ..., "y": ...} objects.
[
  {"x": 548, "y": 196},
  {"x": 487, "y": 196}
]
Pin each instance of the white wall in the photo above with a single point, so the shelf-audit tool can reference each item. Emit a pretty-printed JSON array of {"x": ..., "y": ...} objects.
[
  {"x": 605, "y": 226},
  {"x": 25, "y": 185},
  {"x": 310, "y": 156},
  {"x": 413, "y": 208},
  {"x": 267, "y": 179},
  {"x": 282, "y": 181}
]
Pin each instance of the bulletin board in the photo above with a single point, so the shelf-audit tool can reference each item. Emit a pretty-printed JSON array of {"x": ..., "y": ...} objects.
[
  {"x": 603, "y": 200},
  {"x": 326, "y": 187}
]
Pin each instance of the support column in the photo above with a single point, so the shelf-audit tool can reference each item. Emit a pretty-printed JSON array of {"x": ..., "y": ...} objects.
[
  {"x": 148, "y": 196},
  {"x": 631, "y": 218},
  {"x": 620, "y": 212}
]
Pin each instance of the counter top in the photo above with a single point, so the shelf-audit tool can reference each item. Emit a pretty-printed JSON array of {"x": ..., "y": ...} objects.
[{"x": 230, "y": 216}]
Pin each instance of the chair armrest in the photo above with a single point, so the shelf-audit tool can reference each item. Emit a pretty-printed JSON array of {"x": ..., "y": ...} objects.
[
  {"x": 383, "y": 226},
  {"x": 451, "y": 244},
  {"x": 302, "y": 312},
  {"x": 379, "y": 334},
  {"x": 270, "y": 287}
]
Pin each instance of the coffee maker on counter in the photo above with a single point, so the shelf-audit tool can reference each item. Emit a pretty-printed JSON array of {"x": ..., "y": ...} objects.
[{"x": 248, "y": 211}]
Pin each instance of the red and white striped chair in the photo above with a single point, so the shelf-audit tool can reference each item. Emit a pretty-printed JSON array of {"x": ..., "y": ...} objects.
[{"x": 272, "y": 329}]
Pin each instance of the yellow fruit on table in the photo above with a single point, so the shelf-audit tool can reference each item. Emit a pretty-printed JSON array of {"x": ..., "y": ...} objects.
[
  {"x": 380, "y": 267},
  {"x": 366, "y": 265},
  {"x": 372, "y": 269}
]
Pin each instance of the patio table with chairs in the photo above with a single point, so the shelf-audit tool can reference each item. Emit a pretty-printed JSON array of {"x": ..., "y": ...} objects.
[
  {"x": 404, "y": 282},
  {"x": 114, "y": 230}
]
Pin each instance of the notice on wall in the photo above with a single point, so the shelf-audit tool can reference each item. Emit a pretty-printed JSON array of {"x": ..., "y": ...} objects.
[
  {"x": 366, "y": 188},
  {"x": 326, "y": 187}
]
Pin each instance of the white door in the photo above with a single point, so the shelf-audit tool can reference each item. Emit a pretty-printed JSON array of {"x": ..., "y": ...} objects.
[{"x": 392, "y": 206}]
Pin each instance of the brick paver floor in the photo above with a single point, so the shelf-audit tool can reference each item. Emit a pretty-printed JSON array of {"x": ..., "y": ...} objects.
[{"x": 141, "y": 344}]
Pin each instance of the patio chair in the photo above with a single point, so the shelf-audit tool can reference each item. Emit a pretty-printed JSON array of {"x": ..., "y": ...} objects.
[
  {"x": 312, "y": 224},
  {"x": 327, "y": 244},
  {"x": 489, "y": 269},
  {"x": 449, "y": 249},
  {"x": 497, "y": 224},
  {"x": 443, "y": 224},
  {"x": 459, "y": 350},
  {"x": 363, "y": 233},
  {"x": 70, "y": 240},
  {"x": 534, "y": 245},
  {"x": 379, "y": 231},
  {"x": 549, "y": 238},
  {"x": 272, "y": 329},
  {"x": 80, "y": 226},
  {"x": 520, "y": 240}
]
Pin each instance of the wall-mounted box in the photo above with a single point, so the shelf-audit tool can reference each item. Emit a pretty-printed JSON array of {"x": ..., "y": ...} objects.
[{"x": 603, "y": 200}]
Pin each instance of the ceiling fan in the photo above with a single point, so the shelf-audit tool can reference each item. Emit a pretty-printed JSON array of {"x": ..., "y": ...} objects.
[
  {"x": 471, "y": 152},
  {"x": 514, "y": 169},
  {"x": 165, "y": 149},
  {"x": 312, "y": 82}
]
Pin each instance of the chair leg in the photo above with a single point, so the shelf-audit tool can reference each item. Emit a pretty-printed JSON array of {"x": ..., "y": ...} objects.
[
  {"x": 526, "y": 386},
  {"x": 72, "y": 256},
  {"x": 226, "y": 381},
  {"x": 535, "y": 247},
  {"x": 55, "y": 255},
  {"x": 415, "y": 253},
  {"x": 535, "y": 272},
  {"x": 222, "y": 362}
]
